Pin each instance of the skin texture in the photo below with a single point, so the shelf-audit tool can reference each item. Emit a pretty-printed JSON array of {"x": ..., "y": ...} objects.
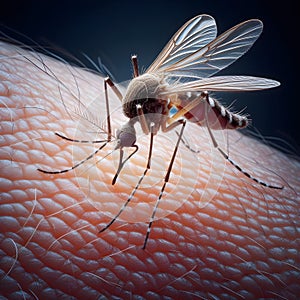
[{"x": 217, "y": 234}]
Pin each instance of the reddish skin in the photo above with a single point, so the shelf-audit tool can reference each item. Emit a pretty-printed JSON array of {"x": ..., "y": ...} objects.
[{"x": 243, "y": 244}]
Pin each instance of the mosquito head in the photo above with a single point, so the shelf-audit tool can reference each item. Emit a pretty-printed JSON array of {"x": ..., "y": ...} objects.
[{"x": 126, "y": 136}]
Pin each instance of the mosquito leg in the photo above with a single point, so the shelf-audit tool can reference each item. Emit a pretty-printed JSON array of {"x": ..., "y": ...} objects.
[
  {"x": 137, "y": 185},
  {"x": 135, "y": 66},
  {"x": 166, "y": 180},
  {"x": 142, "y": 119},
  {"x": 187, "y": 145},
  {"x": 180, "y": 113},
  {"x": 107, "y": 81},
  {"x": 119, "y": 166},
  {"x": 76, "y": 165},
  {"x": 107, "y": 109},
  {"x": 236, "y": 165},
  {"x": 79, "y": 141},
  {"x": 122, "y": 163},
  {"x": 114, "y": 88}
]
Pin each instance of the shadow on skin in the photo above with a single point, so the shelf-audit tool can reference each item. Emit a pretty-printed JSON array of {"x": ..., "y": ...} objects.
[{"x": 216, "y": 234}]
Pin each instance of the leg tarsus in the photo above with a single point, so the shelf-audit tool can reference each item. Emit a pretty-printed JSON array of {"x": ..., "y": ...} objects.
[
  {"x": 226, "y": 156},
  {"x": 76, "y": 165},
  {"x": 79, "y": 141}
]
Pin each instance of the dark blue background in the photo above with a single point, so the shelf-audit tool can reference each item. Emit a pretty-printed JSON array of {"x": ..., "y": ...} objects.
[{"x": 114, "y": 30}]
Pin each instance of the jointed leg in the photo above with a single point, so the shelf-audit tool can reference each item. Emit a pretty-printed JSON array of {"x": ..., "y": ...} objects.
[
  {"x": 138, "y": 184},
  {"x": 79, "y": 163},
  {"x": 142, "y": 119},
  {"x": 79, "y": 141},
  {"x": 166, "y": 180},
  {"x": 185, "y": 143},
  {"x": 115, "y": 89},
  {"x": 145, "y": 128},
  {"x": 122, "y": 163},
  {"x": 215, "y": 144},
  {"x": 107, "y": 110},
  {"x": 181, "y": 112},
  {"x": 108, "y": 81}
]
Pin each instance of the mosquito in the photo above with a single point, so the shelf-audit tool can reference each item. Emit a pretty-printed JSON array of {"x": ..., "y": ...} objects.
[{"x": 180, "y": 80}]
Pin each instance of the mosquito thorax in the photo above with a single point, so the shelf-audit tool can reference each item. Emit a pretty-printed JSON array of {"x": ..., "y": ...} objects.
[{"x": 143, "y": 90}]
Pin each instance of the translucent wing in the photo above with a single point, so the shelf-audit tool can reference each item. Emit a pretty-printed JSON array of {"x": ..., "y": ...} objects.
[
  {"x": 215, "y": 56},
  {"x": 222, "y": 83},
  {"x": 192, "y": 36}
]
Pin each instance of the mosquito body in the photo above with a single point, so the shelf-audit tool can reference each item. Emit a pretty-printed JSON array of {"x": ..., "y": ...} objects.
[{"x": 180, "y": 79}]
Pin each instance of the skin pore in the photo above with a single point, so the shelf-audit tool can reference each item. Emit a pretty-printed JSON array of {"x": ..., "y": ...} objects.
[{"x": 216, "y": 234}]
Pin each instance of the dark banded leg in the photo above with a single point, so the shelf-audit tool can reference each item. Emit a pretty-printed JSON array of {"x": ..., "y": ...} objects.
[
  {"x": 77, "y": 164},
  {"x": 237, "y": 166},
  {"x": 137, "y": 185},
  {"x": 166, "y": 180},
  {"x": 107, "y": 81},
  {"x": 247, "y": 174},
  {"x": 122, "y": 163},
  {"x": 79, "y": 141},
  {"x": 146, "y": 130}
]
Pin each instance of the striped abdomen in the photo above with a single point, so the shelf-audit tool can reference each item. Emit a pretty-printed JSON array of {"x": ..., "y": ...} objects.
[{"x": 217, "y": 116}]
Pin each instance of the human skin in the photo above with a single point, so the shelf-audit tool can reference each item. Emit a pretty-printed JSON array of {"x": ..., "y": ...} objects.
[{"x": 218, "y": 234}]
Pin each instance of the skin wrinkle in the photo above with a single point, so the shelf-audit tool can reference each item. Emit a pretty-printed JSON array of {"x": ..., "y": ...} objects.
[{"x": 237, "y": 240}]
